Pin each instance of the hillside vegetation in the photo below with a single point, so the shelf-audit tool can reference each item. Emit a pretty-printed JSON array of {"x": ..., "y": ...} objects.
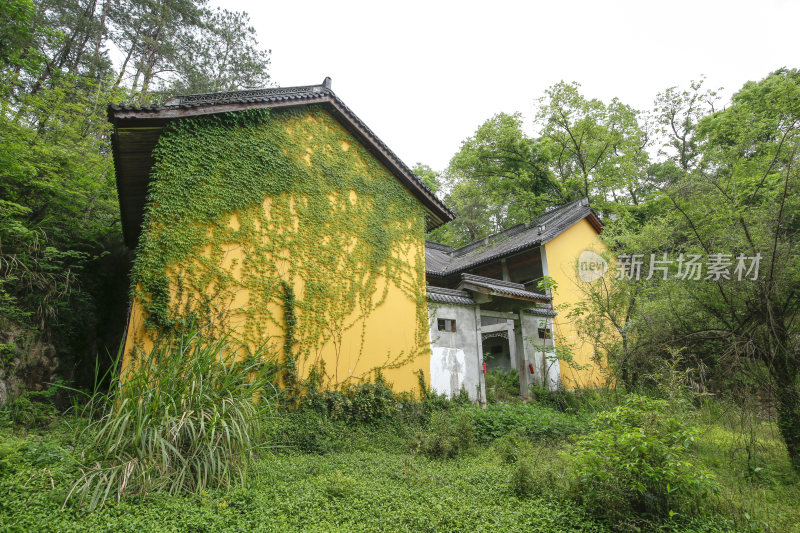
[
  {"x": 698, "y": 428},
  {"x": 196, "y": 452}
]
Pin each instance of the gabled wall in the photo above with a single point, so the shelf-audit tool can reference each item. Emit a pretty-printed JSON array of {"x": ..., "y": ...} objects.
[
  {"x": 249, "y": 211},
  {"x": 561, "y": 258}
]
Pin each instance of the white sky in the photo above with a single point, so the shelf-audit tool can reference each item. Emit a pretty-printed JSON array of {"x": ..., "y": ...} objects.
[{"x": 423, "y": 75}]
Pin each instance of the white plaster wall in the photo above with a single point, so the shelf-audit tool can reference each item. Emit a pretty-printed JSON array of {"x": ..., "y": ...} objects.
[
  {"x": 540, "y": 353},
  {"x": 448, "y": 370},
  {"x": 455, "y": 362}
]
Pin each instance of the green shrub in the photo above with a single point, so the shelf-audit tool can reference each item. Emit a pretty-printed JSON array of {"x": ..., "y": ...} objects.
[
  {"x": 449, "y": 435},
  {"x": 584, "y": 400},
  {"x": 534, "y": 469},
  {"x": 310, "y": 431},
  {"x": 369, "y": 402},
  {"x": 510, "y": 447},
  {"x": 525, "y": 479},
  {"x": 538, "y": 470},
  {"x": 338, "y": 485},
  {"x": 184, "y": 417},
  {"x": 414, "y": 413},
  {"x": 527, "y": 420},
  {"x": 375, "y": 403},
  {"x": 634, "y": 464},
  {"x": 31, "y": 409},
  {"x": 366, "y": 402},
  {"x": 501, "y": 385}
]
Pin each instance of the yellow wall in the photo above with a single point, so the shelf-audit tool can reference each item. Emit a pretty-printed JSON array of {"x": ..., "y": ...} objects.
[
  {"x": 562, "y": 257},
  {"x": 389, "y": 333}
]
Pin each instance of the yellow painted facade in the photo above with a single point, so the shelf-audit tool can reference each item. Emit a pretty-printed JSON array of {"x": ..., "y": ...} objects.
[
  {"x": 389, "y": 333},
  {"x": 562, "y": 259}
]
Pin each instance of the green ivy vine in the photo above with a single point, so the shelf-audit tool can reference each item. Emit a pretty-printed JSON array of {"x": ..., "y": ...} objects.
[
  {"x": 249, "y": 209},
  {"x": 289, "y": 364}
]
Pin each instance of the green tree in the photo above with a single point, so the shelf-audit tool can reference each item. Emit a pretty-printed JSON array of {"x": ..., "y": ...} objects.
[
  {"x": 224, "y": 55},
  {"x": 63, "y": 268},
  {"x": 598, "y": 150},
  {"x": 429, "y": 177},
  {"x": 499, "y": 177},
  {"x": 735, "y": 205},
  {"x": 745, "y": 199},
  {"x": 677, "y": 113}
]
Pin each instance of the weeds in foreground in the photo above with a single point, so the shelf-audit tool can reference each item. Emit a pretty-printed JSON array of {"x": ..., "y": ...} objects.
[
  {"x": 188, "y": 415},
  {"x": 538, "y": 470},
  {"x": 501, "y": 385},
  {"x": 447, "y": 437},
  {"x": 636, "y": 464},
  {"x": 31, "y": 409}
]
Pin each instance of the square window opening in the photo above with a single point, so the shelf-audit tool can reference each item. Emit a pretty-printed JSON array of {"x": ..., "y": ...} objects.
[{"x": 447, "y": 324}]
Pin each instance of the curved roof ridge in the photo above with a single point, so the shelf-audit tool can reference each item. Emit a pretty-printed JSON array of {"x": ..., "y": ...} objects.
[{"x": 439, "y": 246}]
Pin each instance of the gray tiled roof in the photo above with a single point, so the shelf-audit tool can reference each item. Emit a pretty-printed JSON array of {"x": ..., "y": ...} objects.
[
  {"x": 541, "y": 311},
  {"x": 273, "y": 94},
  {"x": 133, "y": 159},
  {"x": 449, "y": 296},
  {"x": 455, "y": 297},
  {"x": 444, "y": 260},
  {"x": 506, "y": 288},
  {"x": 288, "y": 95},
  {"x": 436, "y": 256}
]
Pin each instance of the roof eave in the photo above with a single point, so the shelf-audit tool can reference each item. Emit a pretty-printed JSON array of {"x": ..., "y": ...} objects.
[
  {"x": 497, "y": 294},
  {"x": 129, "y": 240},
  {"x": 595, "y": 221}
]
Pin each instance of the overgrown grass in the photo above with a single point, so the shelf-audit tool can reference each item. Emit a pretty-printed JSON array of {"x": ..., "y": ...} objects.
[
  {"x": 362, "y": 488},
  {"x": 748, "y": 457},
  {"x": 529, "y": 420},
  {"x": 188, "y": 415},
  {"x": 447, "y": 435},
  {"x": 31, "y": 409},
  {"x": 514, "y": 468},
  {"x": 501, "y": 385}
]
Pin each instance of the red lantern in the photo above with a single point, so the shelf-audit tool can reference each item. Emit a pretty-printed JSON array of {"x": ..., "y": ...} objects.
[
  {"x": 530, "y": 367},
  {"x": 484, "y": 367}
]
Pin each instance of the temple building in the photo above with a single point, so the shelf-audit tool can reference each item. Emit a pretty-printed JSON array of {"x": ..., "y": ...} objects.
[
  {"x": 278, "y": 219},
  {"x": 487, "y": 310}
]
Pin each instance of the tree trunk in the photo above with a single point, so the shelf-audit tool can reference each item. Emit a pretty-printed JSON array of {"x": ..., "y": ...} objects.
[
  {"x": 788, "y": 399},
  {"x": 124, "y": 67}
]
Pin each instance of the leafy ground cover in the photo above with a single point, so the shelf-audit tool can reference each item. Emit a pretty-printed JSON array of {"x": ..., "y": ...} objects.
[{"x": 370, "y": 477}]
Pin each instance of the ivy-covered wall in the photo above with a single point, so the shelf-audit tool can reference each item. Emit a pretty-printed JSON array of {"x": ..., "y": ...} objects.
[{"x": 244, "y": 205}]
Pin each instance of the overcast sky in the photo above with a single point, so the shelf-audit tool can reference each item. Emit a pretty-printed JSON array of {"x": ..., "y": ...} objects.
[{"x": 423, "y": 75}]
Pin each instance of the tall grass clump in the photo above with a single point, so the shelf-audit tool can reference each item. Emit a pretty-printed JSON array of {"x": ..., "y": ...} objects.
[{"x": 187, "y": 415}]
